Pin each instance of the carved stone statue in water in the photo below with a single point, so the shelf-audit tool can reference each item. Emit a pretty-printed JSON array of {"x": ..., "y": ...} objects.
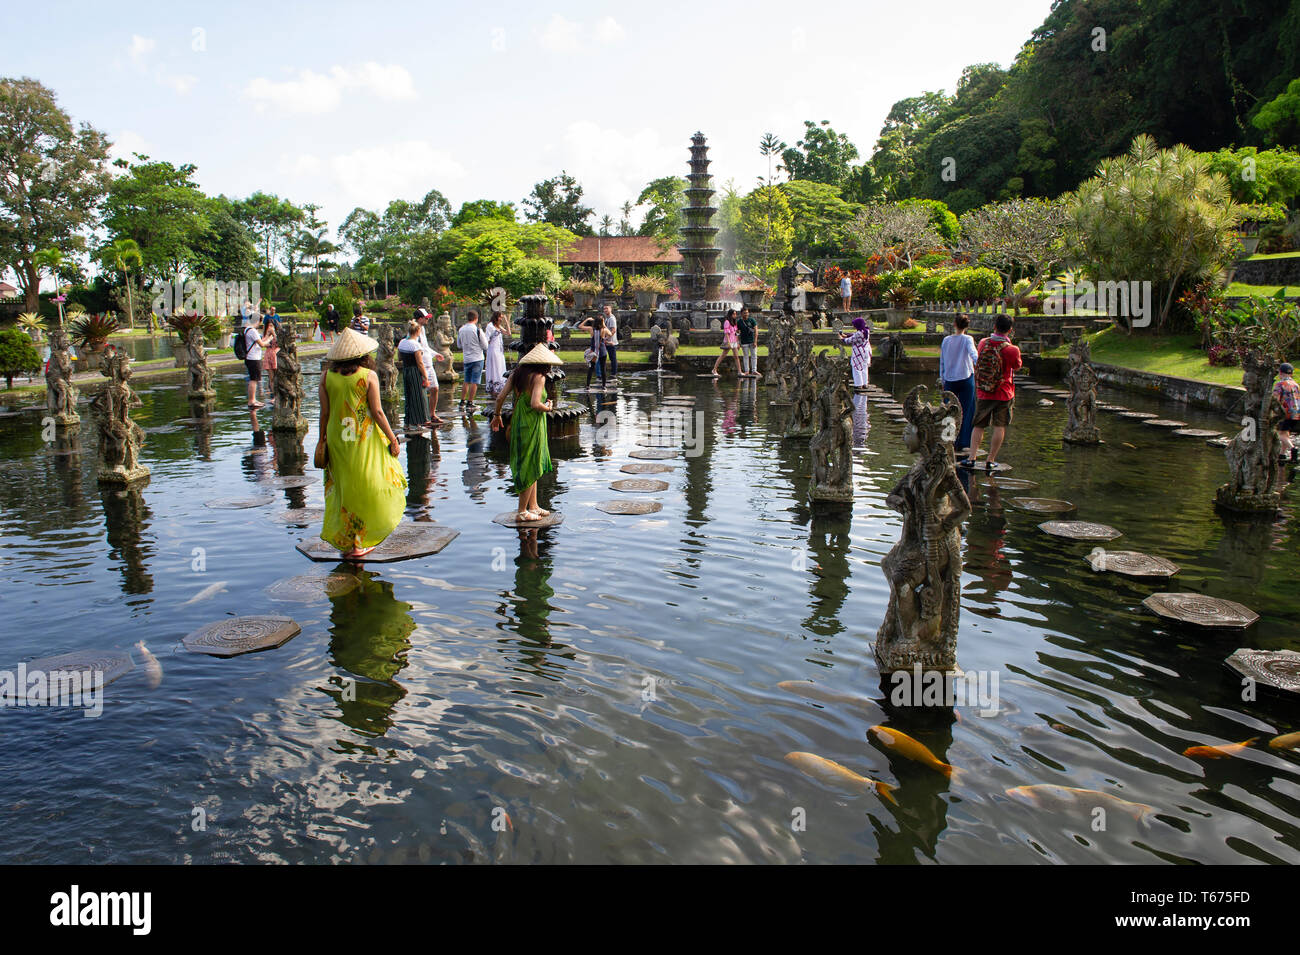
[
  {"x": 287, "y": 414},
  {"x": 924, "y": 567},
  {"x": 386, "y": 365},
  {"x": 1082, "y": 406},
  {"x": 120, "y": 438},
  {"x": 804, "y": 396},
  {"x": 197, "y": 362},
  {"x": 1254, "y": 476},
  {"x": 60, "y": 394},
  {"x": 832, "y": 442}
]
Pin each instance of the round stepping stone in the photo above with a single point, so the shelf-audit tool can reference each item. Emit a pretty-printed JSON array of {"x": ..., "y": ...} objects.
[
  {"x": 308, "y": 587},
  {"x": 648, "y": 443},
  {"x": 1042, "y": 505},
  {"x": 511, "y": 519},
  {"x": 1198, "y": 433},
  {"x": 110, "y": 663},
  {"x": 1137, "y": 415},
  {"x": 291, "y": 481},
  {"x": 669, "y": 374},
  {"x": 639, "y": 484},
  {"x": 654, "y": 454},
  {"x": 1056, "y": 392},
  {"x": 638, "y": 394},
  {"x": 1132, "y": 563},
  {"x": 1164, "y": 423},
  {"x": 646, "y": 468},
  {"x": 238, "y": 503},
  {"x": 1080, "y": 530},
  {"x": 406, "y": 542},
  {"x": 1201, "y": 610},
  {"x": 630, "y": 507},
  {"x": 302, "y": 515},
  {"x": 238, "y": 635},
  {"x": 1046, "y": 403},
  {"x": 1012, "y": 484},
  {"x": 1274, "y": 669},
  {"x": 1219, "y": 442},
  {"x": 1105, "y": 407}
]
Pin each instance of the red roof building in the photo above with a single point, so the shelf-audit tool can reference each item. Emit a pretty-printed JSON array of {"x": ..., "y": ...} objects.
[{"x": 627, "y": 252}]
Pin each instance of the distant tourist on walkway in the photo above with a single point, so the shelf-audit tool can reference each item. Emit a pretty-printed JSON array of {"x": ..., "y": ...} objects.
[
  {"x": 748, "y": 343},
  {"x": 365, "y": 489},
  {"x": 996, "y": 361},
  {"x": 415, "y": 383},
  {"x": 271, "y": 318},
  {"x": 332, "y": 325},
  {"x": 846, "y": 293},
  {"x": 957, "y": 356},
  {"x": 1287, "y": 392},
  {"x": 611, "y": 340},
  {"x": 429, "y": 356},
  {"x": 473, "y": 346},
  {"x": 530, "y": 456},
  {"x": 860, "y": 343},
  {"x": 360, "y": 322},
  {"x": 254, "y": 341},
  {"x": 730, "y": 342},
  {"x": 497, "y": 333},
  {"x": 597, "y": 352}
]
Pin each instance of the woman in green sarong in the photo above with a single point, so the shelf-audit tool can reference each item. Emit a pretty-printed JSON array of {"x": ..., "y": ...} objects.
[
  {"x": 365, "y": 490},
  {"x": 530, "y": 457}
]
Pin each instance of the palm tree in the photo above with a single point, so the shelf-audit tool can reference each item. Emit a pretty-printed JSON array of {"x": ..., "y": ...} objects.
[
  {"x": 625, "y": 224},
  {"x": 768, "y": 147},
  {"x": 313, "y": 246},
  {"x": 119, "y": 256},
  {"x": 606, "y": 223},
  {"x": 51, "y": 260}
]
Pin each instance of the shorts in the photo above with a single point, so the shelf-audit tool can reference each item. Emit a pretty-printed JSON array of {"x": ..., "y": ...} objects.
[
  {"x": 1292, "y": 426},
  {"x": 991, "y": 411},
  {"x": 474, "y": 372},
  {"x": 254, "y": 366}
]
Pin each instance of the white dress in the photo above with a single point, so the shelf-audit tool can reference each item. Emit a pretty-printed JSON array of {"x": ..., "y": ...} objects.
[
  {"x": 496, "y": 360},
  {"x": 861, "y": 360}
]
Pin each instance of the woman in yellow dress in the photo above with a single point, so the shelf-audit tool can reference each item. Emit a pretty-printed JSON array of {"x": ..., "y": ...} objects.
[{"x": 365, "y": 489}]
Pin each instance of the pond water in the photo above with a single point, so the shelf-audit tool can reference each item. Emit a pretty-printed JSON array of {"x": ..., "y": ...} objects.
[{"x": 612, "y": 685}]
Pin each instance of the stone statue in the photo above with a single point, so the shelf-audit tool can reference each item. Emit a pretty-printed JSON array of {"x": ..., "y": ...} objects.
[
  {"x": 60, "y": 394},
  {"x": 804, "y": 397},
  {"x": 782, "y": 358},
  {"x": 386, "y": 365},
  {"x": 699, "y": 282},
  {"x": 120, "y": 438},
  {"x": 287, "y": 414},
  {"x": 892, "y": 348},
  {"x": 832, "y": 442},
  {"x": 201, "y": 389},
  {"x": 443, "y": 338},
  {"x": 1254, "y": 478},
  {"x": 1082, "y": 381},
  {"x": 924, "y": 567},
  {"x": 670, "y": 345},
  {"x": 788, "y": 289}
]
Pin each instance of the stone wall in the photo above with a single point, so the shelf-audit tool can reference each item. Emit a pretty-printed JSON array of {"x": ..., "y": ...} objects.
[
  {"x": 1268, "y": 271},
  {"x": 1199, "y": 394}
]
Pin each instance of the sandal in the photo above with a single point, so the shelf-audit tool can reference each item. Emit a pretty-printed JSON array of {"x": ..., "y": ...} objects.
[
  {"x": 526, "y": 517},
  {"x": 358, "y": 554}
]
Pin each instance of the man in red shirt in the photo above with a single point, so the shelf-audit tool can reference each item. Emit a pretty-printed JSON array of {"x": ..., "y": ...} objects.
[{"x": 994, "y": 396}]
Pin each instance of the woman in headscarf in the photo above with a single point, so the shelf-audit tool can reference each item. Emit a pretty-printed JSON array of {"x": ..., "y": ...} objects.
[{"x": 860, "y": 341}]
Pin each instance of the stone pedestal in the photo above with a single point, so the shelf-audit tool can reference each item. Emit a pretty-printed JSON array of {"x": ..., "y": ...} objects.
[{"x": 1254, "y": 475}]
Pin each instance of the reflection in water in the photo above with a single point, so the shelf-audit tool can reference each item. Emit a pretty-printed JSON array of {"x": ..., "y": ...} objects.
[
  {"x": 370, "y": 634},
  {"x": 127, "y": 517},
  {"x": 828, "y": 544},
  {"x": 421, "y": 452},
  {"x": 860, "y": 424}
]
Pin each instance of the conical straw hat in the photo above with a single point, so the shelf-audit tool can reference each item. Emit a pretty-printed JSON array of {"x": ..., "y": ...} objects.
[
  {"x": 351, "y": 344},
  {"x": 541, "y": 355}
]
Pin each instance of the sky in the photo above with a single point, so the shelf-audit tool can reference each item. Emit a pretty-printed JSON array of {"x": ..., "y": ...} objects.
[{"x": 355, "y": 104}]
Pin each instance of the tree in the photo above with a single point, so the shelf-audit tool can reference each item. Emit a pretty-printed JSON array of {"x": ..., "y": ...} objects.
[
  {"x": 766, "y": 233},
  {"x": 1279, "y": 118},
  {"x": 728, "y": 220},
  {"x": 558, "y": 200},
  {"x": 1262, "y": 176},
  {"x": 52, "y": 178},
  {"x": 606, "y": 224},
  {"x": 625, "y": 223},
  {"x": 665, "y": 198},
  {"x": 823, "y": 155},
  {"x": 1019, "y": 239},
  {"x": 226, "y": 250},
  {"x": 269, "y": 219},
  {"x": 530, "y": 275},
  {"x": 820, "y": 217},
  {"x": 483, "y": 262},
  {"x": 1157, "y": 215},
  {"x": 483, "y": 209},
  {"x": 119, "y": 256},
  {"x": 885, "y": 226},
  {"x": 161, "y": 207},
  {"x": 17, "y": 355}
]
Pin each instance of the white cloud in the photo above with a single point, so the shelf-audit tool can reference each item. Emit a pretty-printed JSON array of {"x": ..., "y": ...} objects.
[
  {"x": 570, "y": 36},
  {"x": 141, "y": 53},
  {"x": 125, "y": 143},
  {"x": 613, "y": 165},
  {"x": 141, "y": 47},
  {"x": 375, "y": 175},
  {"x": 312, "y": 92}
]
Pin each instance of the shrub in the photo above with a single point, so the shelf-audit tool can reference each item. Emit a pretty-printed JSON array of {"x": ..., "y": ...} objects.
[
  {"x": 17, "y": 355},
  {"x": 1223, "y": 356},
  {"x": 529, "y": 275},
  {"x": 969, "y": 285},
  {"x": 341, "y": 297}
]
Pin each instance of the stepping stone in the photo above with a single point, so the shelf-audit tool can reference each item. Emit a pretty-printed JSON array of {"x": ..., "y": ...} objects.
[
  {"x": 668, "y": 374},
  {"x": 406, "y": 542},
  {"x": 647, "y": 443},
  {"x": 308, "y": 587},
  {"x": 291, "y": 481},
  {"x": 1042, "y": 505},
  {"x": 1132, "y": 563},
  {"x": 1080, "y": 530},
  {"x": 1164, "y": 423},
  {"x": 639, "y": 484},
  {"x": 1111, "y": 407},
  {"x": 1277, "y": 670},
  {"x": 238, "y": 503},
  {"x": 1056, "y": 392},
  {"x": 238, "y": 635},
  {"x": 1220, "y": 442},
  {"x": 1046, "y": 403},
  {"x": 997, "y": 467},
  {"x": 630, "y": 507},
  {"x": 1201, "y": 611},
  {"x": 1012, "y": 484},
  {"x": 110, "y": 663},
  {"x": 678, "y": 400},
  {"x": 166, "y": 429},
  {"x": 654, "y": 454},
  {"x": 510, "y": 519},
  {"x": 1198, "y": 433},
  {"x": 1137, "y": 415},
  {"x": 646, "y": 468},
  {"x": 638, "y": 394},
  {"x": 301, "y": 515}
]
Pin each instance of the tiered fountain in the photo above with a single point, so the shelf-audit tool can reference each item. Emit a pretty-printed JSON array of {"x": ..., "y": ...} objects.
[{"x": 699, "y": 281}]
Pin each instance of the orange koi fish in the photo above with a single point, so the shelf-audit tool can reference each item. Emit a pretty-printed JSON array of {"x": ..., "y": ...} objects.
[
  {"x": 833, "y": 774},
  {"x": 1219, "y": 752},
  {"x": 904, "y": 745}
]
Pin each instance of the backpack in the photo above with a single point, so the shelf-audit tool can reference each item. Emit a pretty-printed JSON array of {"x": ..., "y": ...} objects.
[
  {"x": 988, "y": 366},
  {"x": 240, "y": 344}
]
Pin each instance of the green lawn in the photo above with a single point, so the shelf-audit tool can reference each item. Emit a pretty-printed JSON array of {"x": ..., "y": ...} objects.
[
  {"x": 1272, "y": 255},
  {"x": 1240, "y": 288},
  {"x": 1176, "y": 355}
]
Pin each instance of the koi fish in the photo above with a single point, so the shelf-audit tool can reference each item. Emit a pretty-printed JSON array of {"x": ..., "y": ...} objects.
[
  {"x": 1127, "y": 445},
  {"x": 812, "y": 691},
  {"x": 207, "y": 593},
  {"x": 904, "y": 745},
  {"x": 1063, "y": 798},
  {"x": 152, "y": 668},
  {"x": 1219, "y": 752},
  {"x": 833, "y": 774},
  {"x": 1289, "y": 741}
]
